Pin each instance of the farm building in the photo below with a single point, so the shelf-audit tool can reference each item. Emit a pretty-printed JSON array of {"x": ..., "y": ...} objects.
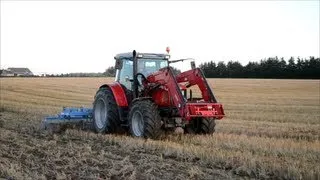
[
  {"x": 21, "y": 71},
  {"x": 6, "y": 72},
  {"x": 16, "y": 72}
]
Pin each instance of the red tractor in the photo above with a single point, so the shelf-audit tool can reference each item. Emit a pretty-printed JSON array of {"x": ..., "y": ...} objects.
[{"x": 147, "y": 97}]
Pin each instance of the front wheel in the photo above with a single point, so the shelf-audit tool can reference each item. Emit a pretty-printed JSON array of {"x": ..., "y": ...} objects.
[
  {"x": 201, "y": 126},
  {"x": 105, "y": 113},
  {"x": 144, "y": 119}
]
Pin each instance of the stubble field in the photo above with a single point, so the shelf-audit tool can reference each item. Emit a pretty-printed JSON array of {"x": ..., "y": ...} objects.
[{"x": 272, "y": 130}]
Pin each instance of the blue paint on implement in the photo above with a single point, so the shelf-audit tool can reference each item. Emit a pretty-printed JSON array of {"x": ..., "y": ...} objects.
[{"x": 69, "y": 115}]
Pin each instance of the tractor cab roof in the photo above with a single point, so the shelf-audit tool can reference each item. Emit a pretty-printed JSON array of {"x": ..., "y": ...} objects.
[{"x": 129, "y": 56}]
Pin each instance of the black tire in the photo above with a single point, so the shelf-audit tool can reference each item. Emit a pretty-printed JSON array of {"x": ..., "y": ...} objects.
[
  {"x": 201, "y": 126},
  {"x": 105, "y": 111},
  {"x": 144, "y": 119}
]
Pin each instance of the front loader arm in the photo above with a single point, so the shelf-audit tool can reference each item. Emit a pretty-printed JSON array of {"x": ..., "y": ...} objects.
[
  {"x": 208, "y": 108},
  {"x": 165, "y": 78},
  {"x": 196, "y": 77}
]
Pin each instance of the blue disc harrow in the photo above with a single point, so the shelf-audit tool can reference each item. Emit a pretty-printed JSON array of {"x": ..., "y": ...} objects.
[{"x": 69, "y": 115}]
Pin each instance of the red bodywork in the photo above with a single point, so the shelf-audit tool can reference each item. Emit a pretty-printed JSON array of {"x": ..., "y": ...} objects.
[
  {"x": 161, "y": 97},
  {"x": 167, "y": 92},
  {"x": 119, "y": 94}
]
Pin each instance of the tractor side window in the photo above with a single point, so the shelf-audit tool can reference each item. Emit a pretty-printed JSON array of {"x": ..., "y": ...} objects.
[{"x": 126, "y": 73}]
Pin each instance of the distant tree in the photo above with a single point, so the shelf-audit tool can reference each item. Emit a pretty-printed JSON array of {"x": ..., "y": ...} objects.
[
  {"x": 110, "y": 72},
  {"x": 311, "y": 68},
  {"x": 222, "y": 69},
  {"x": 234, "y": 69},
  {"x": 291, "y": 68},
  {"x": 251, "y": 70},
  {"x": 175, "y": 70}
]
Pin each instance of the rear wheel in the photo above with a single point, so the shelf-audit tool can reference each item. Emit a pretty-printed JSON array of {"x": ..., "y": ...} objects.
[
  {"x": 144, "y": 119},
  {"x": 201, "y": 126},
  {"x": 105, "y": 113}
]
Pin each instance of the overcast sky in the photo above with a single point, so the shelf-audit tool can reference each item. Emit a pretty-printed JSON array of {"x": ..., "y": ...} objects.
[{"x": 83, "y": 36}]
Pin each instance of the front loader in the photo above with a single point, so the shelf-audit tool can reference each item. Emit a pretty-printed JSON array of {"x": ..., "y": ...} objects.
[{"x": 147, "y": 98}]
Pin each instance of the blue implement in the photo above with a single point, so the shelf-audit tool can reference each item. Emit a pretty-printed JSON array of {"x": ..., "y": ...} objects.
[{"x": 69, "y": 115}]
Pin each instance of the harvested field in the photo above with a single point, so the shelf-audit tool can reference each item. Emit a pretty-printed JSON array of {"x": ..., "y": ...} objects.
[{"x": 272, "y": 131}]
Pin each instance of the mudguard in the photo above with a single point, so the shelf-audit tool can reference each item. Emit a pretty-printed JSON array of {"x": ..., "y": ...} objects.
[{"x": 118, "y": 93}]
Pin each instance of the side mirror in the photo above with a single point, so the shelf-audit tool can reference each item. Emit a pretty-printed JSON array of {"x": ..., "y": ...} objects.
[
  {"x": 118, "y": 64},
  {"x": 193, "y": 65}
]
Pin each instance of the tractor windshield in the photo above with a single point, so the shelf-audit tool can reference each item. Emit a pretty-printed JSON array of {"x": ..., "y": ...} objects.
[
  {"x": 145, "y": 66},
  {"x": 148, "y": 66}
]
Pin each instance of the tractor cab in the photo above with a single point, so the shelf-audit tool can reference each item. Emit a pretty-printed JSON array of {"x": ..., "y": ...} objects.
[{"x": 146, "y": 63}]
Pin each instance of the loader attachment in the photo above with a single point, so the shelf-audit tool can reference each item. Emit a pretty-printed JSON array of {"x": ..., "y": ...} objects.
[
  {"x": 207, "y": 110},
  {"x": 207, "y": 106}
]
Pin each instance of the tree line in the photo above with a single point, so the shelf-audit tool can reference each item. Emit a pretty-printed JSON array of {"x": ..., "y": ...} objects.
[
  {"x": 75, "y": 75},
  {"x": 272, "y": 67}
]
